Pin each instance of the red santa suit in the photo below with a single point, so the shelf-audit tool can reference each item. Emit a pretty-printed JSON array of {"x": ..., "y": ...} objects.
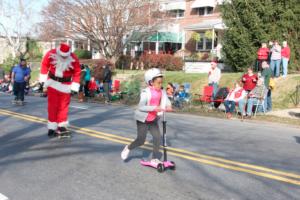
[{"x": 60, "y": 73}]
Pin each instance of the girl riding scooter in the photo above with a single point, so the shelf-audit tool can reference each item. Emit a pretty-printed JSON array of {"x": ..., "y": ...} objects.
[{"x": 153, "y": 101}]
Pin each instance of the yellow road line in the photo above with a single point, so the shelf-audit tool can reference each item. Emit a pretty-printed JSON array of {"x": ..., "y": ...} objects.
[
  {"x": 250, "y": 166},
  {"x": 211, "y": 161}
]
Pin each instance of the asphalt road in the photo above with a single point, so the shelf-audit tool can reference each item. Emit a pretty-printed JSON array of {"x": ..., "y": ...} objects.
[{"x": 216, "y": 159}]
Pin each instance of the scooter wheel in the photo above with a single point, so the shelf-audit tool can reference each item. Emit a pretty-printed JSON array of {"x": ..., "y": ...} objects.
[
  {"x": 160, "y": 168},
  {"x": 173, "y": 167}
]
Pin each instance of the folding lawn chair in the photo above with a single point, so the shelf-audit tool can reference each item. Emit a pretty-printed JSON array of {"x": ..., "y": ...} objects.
[{"x": 206, "y": 96}]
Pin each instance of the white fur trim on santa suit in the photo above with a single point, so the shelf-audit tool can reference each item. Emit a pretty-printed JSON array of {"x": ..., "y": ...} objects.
[
  {"x": 43, "y": 78},
  {"x": 64, "y": 88},
  {"x": 66, "y": 54},
  {"x": 75, "y": 87},
  {"x": 63, "y": 124},
  {"x": 52, "y": 125},
  {"x": 61, "y": 64}
]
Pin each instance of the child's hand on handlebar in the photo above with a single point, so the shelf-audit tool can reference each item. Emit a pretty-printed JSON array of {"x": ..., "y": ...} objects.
[
  {"x": 169, "y": 109},
  {"x": 158, "y": 109}
]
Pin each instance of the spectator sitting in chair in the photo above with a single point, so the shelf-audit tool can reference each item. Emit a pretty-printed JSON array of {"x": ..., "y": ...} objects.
[
  {"x": 237, "y": 95},
  {"x": 170, "y": 91},
  {"x": 259, "y": 93},
  {"x": 181, "y": 96}
]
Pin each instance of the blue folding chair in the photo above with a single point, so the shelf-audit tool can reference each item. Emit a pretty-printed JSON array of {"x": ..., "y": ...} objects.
[{"x": 187, "y": 87}]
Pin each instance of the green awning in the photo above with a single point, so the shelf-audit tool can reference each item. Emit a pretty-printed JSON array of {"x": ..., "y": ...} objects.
[
  {"x": 138, "y": 37},
  {"x": 156, "y": 37},
  {"x": 165, "y": 37}
]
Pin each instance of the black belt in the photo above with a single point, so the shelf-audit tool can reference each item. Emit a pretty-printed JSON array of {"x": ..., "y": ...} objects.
[{"x": 62, "y": 80}]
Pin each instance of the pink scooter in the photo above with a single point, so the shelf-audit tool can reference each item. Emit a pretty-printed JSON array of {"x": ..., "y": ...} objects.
[{"x": 161, "y": 167}]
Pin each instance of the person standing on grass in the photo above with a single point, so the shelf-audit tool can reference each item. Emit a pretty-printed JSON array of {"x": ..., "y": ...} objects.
[
  {"x": 249, "y": 80},
  {"x": 107, "y": 74},
  {"x": 267, "y": 75},
  {"x": 276, "y": 59},
  {"x": 214, "y": 76},
  {"x": 285, "y": 57},
  {"x": 20, "y": 75},
  {"x": 262, "y": 55}
]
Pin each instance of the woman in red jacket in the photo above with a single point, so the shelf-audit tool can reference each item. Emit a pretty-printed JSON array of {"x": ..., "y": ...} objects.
[
  {"x": 285, "y": 57},
  {"x": 262, "y": 55},
  {"x": 249, "y": 80}
]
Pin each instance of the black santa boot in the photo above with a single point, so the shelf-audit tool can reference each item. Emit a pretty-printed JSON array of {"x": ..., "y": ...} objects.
[
  {"x": 52, "y": 133},
  {"x": 64, "y": 132}
]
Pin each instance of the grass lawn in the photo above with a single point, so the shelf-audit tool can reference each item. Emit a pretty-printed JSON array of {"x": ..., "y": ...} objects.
[{"x": 281, "y": 96}]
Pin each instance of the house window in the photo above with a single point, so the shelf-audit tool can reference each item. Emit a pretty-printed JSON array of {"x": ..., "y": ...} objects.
[
  {"x": 205, "y": 44},
  {"x": 205, "y": 11},
  {"x": 177, "y": 14},
  {"x": 202, "y": 11},
  {"x": 209, "y": 10}
]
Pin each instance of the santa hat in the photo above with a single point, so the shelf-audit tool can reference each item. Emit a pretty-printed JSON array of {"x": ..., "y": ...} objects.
[
  {"x": 64, "y": 50},
  {"x": 214, "y": 62}
]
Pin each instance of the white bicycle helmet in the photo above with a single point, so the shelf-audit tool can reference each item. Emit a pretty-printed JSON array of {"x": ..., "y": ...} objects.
[{"x": 151, "y": 74}]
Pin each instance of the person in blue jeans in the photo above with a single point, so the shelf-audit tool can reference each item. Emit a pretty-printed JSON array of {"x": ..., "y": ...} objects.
[
  {"x": 214, "y": 76},
  {"x": 275, "y": 59},
  {"x": 20, "y": 75},
  {"x": 259, "y": 93},
  {"x": 267, "y": 75}
]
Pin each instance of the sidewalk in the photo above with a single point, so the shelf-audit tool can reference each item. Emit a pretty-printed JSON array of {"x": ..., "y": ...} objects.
[{"x": 293, "y": 113}]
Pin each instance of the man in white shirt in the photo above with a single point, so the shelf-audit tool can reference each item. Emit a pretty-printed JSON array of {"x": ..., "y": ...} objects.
[{"x": 214, "y": 76}]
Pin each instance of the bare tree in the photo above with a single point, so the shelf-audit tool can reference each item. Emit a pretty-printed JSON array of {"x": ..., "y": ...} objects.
[
  {"x": 106, "y": 23},
  {"x": 13, "y": 20}
]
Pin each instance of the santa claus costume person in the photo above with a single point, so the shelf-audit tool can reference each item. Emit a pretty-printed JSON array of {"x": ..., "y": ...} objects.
[{"x": 60, "y": 73}]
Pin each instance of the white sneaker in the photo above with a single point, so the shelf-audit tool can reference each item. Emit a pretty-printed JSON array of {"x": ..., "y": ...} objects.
[
  {"x": 125, "y": 153},
  {"x": 155, "y": 161}
]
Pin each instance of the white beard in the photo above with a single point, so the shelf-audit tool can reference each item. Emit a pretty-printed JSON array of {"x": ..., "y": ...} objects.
[{"x": 61, "y": 64}]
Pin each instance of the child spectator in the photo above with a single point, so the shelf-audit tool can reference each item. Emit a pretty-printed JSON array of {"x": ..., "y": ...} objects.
[
  {"x": 181, "y": 96},
  {"x": 237, "y": 95},
  {"x": 92, "y": 87},
  {"x": 249, "y": 80}
]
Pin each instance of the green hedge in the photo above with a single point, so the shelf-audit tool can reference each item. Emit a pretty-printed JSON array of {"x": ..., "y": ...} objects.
[{"x": 83, "y": 54}]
